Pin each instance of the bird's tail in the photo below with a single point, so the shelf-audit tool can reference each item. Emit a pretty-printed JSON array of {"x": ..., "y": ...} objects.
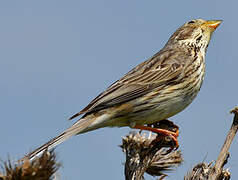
[{"x": 76, "y": 128}]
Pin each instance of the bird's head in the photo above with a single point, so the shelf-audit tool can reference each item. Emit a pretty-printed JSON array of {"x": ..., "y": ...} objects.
[{"x": 194, "y": 33}]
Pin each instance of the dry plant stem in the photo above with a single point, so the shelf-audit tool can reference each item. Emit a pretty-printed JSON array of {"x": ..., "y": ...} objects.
[
  {"x": 135, "y": 168},
  {"x": 222, "y": 158}
]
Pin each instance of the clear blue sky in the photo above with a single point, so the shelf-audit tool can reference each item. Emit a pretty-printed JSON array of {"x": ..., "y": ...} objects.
[{"x": 56, "y": 56}]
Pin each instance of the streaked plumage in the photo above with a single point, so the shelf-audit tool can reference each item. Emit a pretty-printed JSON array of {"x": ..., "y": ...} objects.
[{"x": 154, "y": 90}]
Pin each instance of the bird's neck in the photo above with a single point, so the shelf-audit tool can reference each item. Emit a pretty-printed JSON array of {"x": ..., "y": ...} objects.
[{"x": 195, "y": 46}]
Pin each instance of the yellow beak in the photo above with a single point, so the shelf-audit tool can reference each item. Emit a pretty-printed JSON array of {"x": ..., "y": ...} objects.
[{"x": 213, "y": 23}]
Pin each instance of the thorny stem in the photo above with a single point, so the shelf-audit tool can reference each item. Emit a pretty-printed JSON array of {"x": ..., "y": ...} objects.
[{"x": 222, "y": 158}]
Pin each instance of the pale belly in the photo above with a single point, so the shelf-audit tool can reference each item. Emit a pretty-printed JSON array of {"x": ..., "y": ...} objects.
[
  {"x": 165, "y": 110},
  {"x": 160, "y": 111}
]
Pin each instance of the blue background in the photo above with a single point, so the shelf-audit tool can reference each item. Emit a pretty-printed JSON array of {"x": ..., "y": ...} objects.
[{"x": 56, "y": 56}]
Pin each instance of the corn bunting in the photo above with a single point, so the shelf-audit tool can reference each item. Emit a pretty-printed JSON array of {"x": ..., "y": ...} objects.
[{"x": 154, "y": 90}]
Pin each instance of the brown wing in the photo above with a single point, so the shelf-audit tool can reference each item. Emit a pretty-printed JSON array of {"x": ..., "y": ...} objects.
[{"x": 138, "y": 82}]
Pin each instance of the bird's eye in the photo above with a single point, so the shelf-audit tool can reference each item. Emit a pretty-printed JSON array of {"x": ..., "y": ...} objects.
[{"x": 191, "y": 22}]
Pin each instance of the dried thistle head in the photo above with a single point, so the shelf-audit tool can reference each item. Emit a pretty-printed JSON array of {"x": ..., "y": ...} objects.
[
  {"x": 41, "y": 168},
  {"x": 148, "y": 153}
]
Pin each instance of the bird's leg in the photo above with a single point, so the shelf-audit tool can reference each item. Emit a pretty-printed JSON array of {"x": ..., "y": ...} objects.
[
  {"x": 167, "y": 125},
  {"x": 163, "y": 129},
  {"x": 172, "y": 128}
]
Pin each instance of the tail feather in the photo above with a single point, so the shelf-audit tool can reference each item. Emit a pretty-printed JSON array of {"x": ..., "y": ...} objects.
[{"x": 76, "y": 128}]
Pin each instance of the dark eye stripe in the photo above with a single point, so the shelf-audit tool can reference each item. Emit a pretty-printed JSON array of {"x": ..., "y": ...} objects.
[{"x": 198, "y": 39}]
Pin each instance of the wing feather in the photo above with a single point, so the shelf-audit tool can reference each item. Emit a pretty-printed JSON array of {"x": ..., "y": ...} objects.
[{"x": 138, "y": 82}]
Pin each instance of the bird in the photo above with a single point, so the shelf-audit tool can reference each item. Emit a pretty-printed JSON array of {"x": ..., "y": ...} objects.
[{"x": 158, "y": 88}]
